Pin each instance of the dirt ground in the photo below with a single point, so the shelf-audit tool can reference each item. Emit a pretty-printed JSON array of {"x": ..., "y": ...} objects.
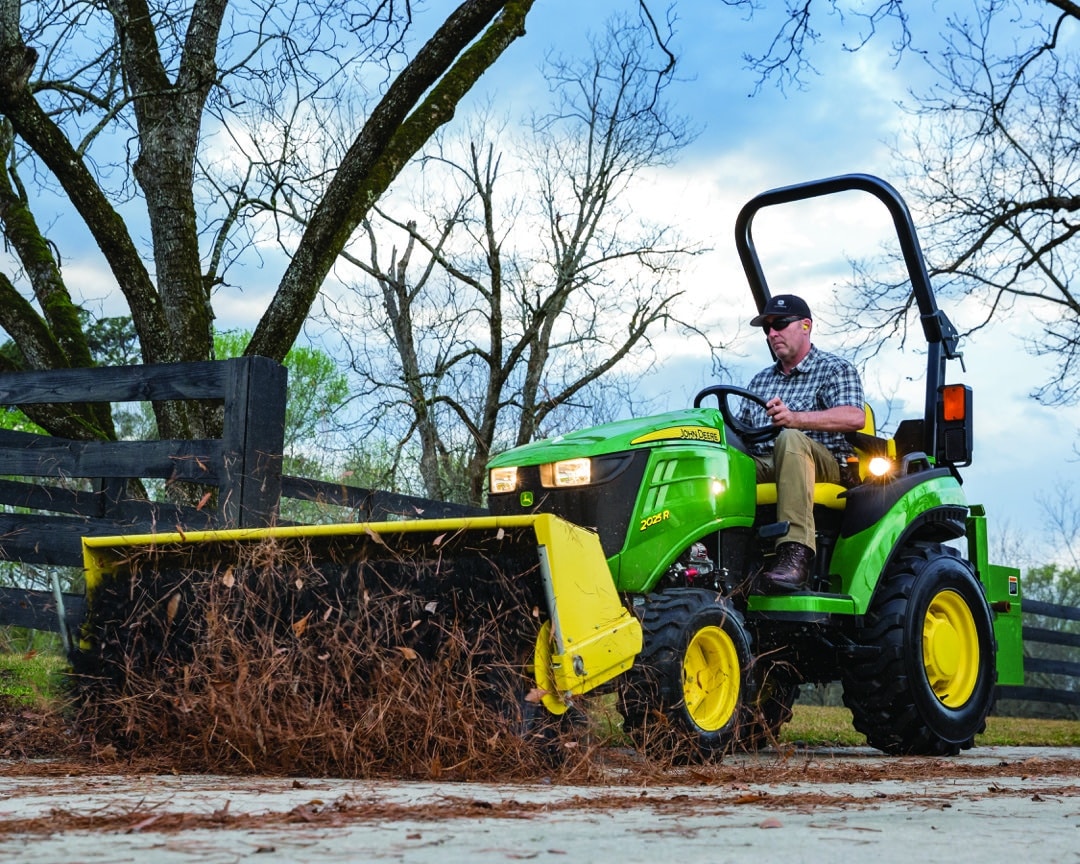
[
  {"x": 60, "y": 801},
  {"x": 792, "y": 805}
]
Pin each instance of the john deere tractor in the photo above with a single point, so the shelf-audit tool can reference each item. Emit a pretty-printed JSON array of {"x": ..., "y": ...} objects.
[
  {"x": 904, "y": 608},
  {"x": 624, "y": 557}
]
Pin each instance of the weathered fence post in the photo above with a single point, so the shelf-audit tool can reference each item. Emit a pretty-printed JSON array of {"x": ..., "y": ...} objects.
[{"x": 253, "y": 439}]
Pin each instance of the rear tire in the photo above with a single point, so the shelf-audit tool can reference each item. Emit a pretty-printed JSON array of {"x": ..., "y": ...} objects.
[
  {"x": 930, "y": 687},
  {"x": 691, "y": 683}
]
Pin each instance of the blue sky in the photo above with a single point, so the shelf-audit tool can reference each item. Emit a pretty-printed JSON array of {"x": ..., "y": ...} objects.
[{"x": 843, "y": 121}]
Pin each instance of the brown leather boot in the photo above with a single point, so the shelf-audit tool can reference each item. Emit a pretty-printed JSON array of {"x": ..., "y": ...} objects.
[{"x": 790, "y": 571}]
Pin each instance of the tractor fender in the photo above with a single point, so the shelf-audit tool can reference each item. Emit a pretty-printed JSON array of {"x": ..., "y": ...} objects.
[
  {"x": 867, "y": 504},
  {"x": 934, "y": 509}
]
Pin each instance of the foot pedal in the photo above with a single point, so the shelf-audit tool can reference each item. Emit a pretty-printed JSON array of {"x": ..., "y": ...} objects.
[{"x": 774, "y": 530}]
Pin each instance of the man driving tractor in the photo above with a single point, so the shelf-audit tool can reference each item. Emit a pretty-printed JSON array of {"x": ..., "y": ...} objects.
[{"x": 815, "y": 397}]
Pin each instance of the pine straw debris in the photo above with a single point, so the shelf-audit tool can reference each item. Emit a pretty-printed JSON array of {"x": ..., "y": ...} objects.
[{"x": 322, "y": 658}]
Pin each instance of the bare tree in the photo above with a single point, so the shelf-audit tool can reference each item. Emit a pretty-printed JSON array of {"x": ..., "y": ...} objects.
[
  {"x": 788, "y": 59},
  {"x": 136, "y": 111},
  {"x": 991, "y": 167},
  {"x": 509, "y": 307},
  {"x": 994, "y": 168}
]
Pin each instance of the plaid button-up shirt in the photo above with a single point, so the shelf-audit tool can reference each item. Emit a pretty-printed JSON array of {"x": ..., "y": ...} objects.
[{"x": 820, "y": 381}]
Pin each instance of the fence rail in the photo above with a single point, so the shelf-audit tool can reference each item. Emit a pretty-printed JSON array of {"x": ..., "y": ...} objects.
[
  {"x": 48, "y": 514},
  {"x": 1033, "y": 636},
  {"x": 243, "y": 466}
]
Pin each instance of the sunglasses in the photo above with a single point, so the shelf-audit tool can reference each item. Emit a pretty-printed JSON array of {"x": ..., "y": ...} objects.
[{"x": 780, "y": 323}]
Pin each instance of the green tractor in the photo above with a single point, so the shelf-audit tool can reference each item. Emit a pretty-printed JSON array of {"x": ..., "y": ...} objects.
[
  {"x": 621, "y": 557},
  {"x": 904, "y": 608}
]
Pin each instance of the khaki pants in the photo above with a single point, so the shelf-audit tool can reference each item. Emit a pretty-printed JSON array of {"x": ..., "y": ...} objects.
[{"x": 796, "y": 463}]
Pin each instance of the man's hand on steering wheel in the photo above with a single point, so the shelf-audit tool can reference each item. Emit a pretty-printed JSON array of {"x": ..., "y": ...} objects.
[{"x": 749, "y": 434}]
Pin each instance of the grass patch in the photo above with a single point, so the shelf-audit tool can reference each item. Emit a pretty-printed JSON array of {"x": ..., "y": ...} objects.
[
  {"x": 815, "y": 725},
  {"x": 1030, "y": 732},
  {"x": 34, "y": 680}
]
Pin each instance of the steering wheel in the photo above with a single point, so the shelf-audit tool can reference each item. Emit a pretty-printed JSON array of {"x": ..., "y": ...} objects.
[{"x": 749, "y": 434}]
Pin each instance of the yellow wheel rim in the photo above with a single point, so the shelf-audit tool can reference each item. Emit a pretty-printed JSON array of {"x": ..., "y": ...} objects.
[
  {"x": 951, "y": 649},
  {"x": 711, "y": 678},
  {"x": 545, "y": 675}
]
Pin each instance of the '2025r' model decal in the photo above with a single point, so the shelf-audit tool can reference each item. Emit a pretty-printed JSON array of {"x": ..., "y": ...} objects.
[{"x": 655, "y": 519}]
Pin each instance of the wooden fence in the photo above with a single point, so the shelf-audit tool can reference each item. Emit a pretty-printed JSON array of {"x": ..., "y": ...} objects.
[
  {"x": 56, "y": 491},
  {"x": 1060, "y": 670},
  {"x": 243, "y": 466}
]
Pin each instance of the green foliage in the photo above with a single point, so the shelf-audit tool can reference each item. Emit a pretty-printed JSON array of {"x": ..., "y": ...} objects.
[
  {"x": 14, "y": 420},
  {"x": 112, "y": 341},
  {"x": 317, "y": 388},
  {"x": 1052, "y": 583},
  {"x": 34, "y": 679}
]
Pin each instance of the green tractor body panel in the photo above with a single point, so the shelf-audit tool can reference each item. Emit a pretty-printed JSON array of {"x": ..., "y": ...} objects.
[
  {"x": 689, "y": 490},
  {"x": 860, "y": 559},
  {"x": 671, "y": 478},
  {"x": 687, "y": 424},
  {"x": 1003, "y": 592}
]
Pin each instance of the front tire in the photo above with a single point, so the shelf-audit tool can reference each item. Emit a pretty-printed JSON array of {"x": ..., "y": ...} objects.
[
  {"x": 691, "y": 682},
  {"x": 930, "y": 686}
]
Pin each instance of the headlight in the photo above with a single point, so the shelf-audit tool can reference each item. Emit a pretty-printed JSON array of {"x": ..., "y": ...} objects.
[
  {"x": 879, "y": 466},
  {"x": 569, "y": 472},
  {"x": 503, "y": 479}
]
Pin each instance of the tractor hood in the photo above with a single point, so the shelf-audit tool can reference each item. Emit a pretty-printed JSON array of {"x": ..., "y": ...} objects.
[{"x": 700, "y": 425}]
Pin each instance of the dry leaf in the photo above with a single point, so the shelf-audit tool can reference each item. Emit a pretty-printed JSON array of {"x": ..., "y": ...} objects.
[
  {"x": 374, "y": 536},
  {"x": 500, "y": 534},
  {"x": 407, "y": 652},
  {"x": 535, "y": 695},
  {"x": 173, "y": 607},
  {"x": 228, "y": 580},
  {"x": 300, "y": 626},
  {"x": 204, "y": 501},
  {"x": 329, "y": 611},
  {"x": 431, "y": 607},
  {"x": 438, "y": 539},
  {"x": 299, "y": 583},
  {"x": 771, "y": 822}
]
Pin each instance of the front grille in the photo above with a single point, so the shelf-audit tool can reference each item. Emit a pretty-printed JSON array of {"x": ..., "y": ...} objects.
[{"x": 605, "y": 507}]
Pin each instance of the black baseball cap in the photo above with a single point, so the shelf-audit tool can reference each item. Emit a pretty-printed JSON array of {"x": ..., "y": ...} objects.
[{"x": 783, "y": 305}]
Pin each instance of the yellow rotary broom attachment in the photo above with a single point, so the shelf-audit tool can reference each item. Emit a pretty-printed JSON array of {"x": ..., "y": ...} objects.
[{"x": 531, "y": 593}]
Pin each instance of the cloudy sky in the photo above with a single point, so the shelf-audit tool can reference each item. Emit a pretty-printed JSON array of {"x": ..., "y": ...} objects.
[{"x": 844, "y": 120}]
